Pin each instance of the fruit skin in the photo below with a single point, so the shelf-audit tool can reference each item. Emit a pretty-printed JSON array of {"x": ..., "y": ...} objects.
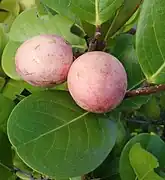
[
  {"x": 44, "y": 60},
  {"x": 97, "y": 81}
]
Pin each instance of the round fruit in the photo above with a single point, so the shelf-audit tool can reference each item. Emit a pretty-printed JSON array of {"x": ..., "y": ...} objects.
[
  {"x": 97, "y": 81},
  {"x": 44, "y": 60}
]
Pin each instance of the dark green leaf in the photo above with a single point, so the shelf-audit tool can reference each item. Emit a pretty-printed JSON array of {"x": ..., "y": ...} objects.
[
  {"x": 5, "y": 157},
  {"x": 152, "y": 143},
  {"x": 2, "y": 83},
  {"x": 31, "y": 25},
  {"x": 108, "y": 169},
  {"x": 124, "y": 50},
  {"x": 123, "y": 15},
  {"x": 93, "y": 11},
  {"x": 150, "y": 40},
  {"x": 145, "y": 165},
  {"x": 8, "y": 60},
  {"x": 132, "y": 103},
  {"x": 49, "y": 124},
  {"x": 6, "y": 106},
  {"x": 151, "y": 109}
]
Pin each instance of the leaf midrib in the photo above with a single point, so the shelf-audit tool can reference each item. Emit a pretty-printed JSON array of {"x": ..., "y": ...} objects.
[
  {"x": 58, "y": 128},
  {"x": 159, "y": 48}
]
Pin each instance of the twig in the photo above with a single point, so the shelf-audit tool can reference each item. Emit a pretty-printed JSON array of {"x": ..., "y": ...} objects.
[
  {"x": 93, "y": 42},
  {"x": 145, "y": 91}
]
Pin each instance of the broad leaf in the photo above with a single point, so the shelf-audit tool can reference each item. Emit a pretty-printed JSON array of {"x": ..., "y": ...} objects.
[
  {"x": 145, "y": 165},
  {"x": 150, "y": 40},
  {"x": 124, "y": 50},
  {"x": 125, "y": 12},
  {"x": 8, "y": 60},
  {"x": 30, "y": 24},
  {"x": 49, "y": 124},
  {"x": 93, "y": 11},
  {"x": 5, "y": 157},
  {"x": 152, "y": 143}
]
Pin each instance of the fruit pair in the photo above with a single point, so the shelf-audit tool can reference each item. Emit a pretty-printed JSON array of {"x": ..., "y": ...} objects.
[{"x": 96, "y": 80}]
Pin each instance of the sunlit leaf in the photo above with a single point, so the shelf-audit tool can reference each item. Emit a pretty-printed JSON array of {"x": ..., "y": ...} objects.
[
  {"x": 93, "y": 11},
  {"x": 8, "y": 60},
  {"x": 30, "y": 24}
]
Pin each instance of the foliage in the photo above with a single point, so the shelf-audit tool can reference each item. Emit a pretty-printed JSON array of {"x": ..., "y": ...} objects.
[{"x": 44, "y": 134}]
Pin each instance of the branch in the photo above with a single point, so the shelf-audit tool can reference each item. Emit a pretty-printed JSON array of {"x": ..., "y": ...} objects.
[
  {"x": 94, "y": 41},
  {"x": 145, "y": 91}
]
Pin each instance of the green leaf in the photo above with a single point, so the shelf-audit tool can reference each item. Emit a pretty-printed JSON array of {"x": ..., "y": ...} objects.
[
  {"x": 122, "y": 137},
  {"x": 132, "y": 103},
  {"x": 150, "y": 40},
  {"x": 8, "y": 60},
  {"x": 132, "y": 22},
  {"x": 95, "y": 12},
  {"x": 5, "y": 157},
  {"x": 151, "y": 109},
  {"x": 3, "y": 39},
  {"x": 31, "y": 25},
  {"x": 2, "y": 83},
  {"x": 13, "y": 88},
  {"x": 123, "y": 15},
  {"x": 108, "y": 169},
  {"x": 124, "y": 50},
  {"x": 49, "y": 124},
  {"x": 24, "y": 4},
  {"x": 6, "y": 106},
  {"x": 152, "y": 143},
  {"x": 145, "y": 165},
  {"x": 12, "y": 7}
]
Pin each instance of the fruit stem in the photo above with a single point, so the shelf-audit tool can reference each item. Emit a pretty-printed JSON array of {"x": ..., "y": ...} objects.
[{"x": 94, "y": 41}]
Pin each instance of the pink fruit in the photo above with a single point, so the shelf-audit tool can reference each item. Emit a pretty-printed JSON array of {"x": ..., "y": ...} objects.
[
  {"x": 97, "y": 81},
  {"x": 44, "y": 60}
]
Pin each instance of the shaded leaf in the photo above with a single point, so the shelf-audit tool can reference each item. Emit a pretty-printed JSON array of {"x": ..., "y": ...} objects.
[
  {"x": 152, "y": 143},
  {"x": 124, "y": 50},
  {"x": 30, "y": 24},
  {"x": 5, "y": 157},
  {"x": 151, "y": 109},
  {"x": 13, "y": 88},
  {"x": 95, "y": 12},
  {"x": 6, "y": 106},
  {"x": 145, "y": 165},
  {"x": 123, "y": 15},
  {"x": 132, "y": 103},
  {"x": 2, "y": 83},
  {"x": 49, "y": 124},
  {"x": 8, "y": 60},
  {"x": 150, "y": 40}
]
